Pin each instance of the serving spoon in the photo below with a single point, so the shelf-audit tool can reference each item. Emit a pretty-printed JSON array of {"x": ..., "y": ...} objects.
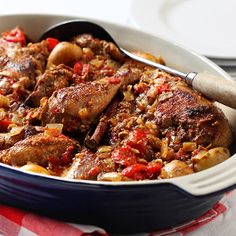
[{"x": 216, "y": 88}]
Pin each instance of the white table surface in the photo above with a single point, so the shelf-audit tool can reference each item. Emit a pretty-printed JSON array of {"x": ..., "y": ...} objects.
[
  {"x": 115, "y": 11},
  {"x": 118, "y": 12}
]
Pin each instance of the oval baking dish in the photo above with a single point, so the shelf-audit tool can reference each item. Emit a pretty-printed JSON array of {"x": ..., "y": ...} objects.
[{"x": 121, "y": 207}]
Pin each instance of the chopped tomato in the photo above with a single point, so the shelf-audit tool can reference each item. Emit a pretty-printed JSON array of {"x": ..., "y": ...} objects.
[
  {"x": 107, "y": 70},
  {"x": 140, "y": 88},
  {"x": 55, "y": 111},
  {"x": 140, "y": 171},
  {"x": 52, "y": 42},
  {"x": 94, "y": 171},
  {"x": 124, "y": 156},
  {"x": 53, "y": 161},
  {"x": 163, "y": 88},
  {"x": 81, "y": 72},
  {"x": 135, "y": 171},
  {"x": 138, "y": 139},
  {"x": 66, "y": 156},
  {"x": 16, "y": 36},
  {"x": 78, "y": 68},
  {"x": 114, "y": 80},
  {"x": 63, "y": 160},
  {"x": 86, "y": 69},
  {"x": 4, "y": 124},
  {"x": 153, "y": 169}
]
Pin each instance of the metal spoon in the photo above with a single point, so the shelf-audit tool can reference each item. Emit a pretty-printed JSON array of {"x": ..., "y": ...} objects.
[{"x": 216, "y": 88}]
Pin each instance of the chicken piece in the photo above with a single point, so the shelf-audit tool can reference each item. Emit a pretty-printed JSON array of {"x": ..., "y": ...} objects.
[
  {"x": 99, "y": 47},
  {"x": 26, "y": 61},
  {"x": 202, "y": 122},
  {"x": 92, "y": 140},
  {"x": 37, "y": 149},
  {"x": 22, "y": 66},
  {"x": 120, "y": 123},
  {"x": 7, "y": 139},
  {"x": 53, "y": 79},
  {"x": 171, "y": 111},
  {"x": 15, "y": 135},
  {"x": 80, "y": 105},
  {"x": 5, "y": 48},
  {"x": 87, "y": 165}
]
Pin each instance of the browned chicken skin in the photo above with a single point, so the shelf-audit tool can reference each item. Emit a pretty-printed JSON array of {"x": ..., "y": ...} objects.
[
  {"x": 100, "y": 47},
  {"x": 20, "y": 69},
  {"x": 26, "y": 61},
  {"x": 7, "y": 140},
  {"x": 87, "y": 165},
  {"x": 84, "y": 102},
  {"x": 53, "y": 79},
  {"x": 202, "y": 121},
  {"x": 36, "y": 149}
]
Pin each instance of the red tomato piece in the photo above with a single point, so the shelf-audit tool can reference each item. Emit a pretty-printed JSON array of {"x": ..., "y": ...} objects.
[
  {"x": 124, "y": 156},
  {"x": 78, "y": 68},
  {"x": 140, "y": 88},
  {"x": 86, "y": 69},
  {"x": 4, "y": 124},
  {"x": 54, "y": 161},
  {"x": 163, "y": 88},
  {"x": 114, "y": 80},
  {"x": 94, "y": 171},
  {"x": 16, "y": 36},
  {"x": 138, "y": 139},
  {"x": 135, "y": 172},
  {"x": 108, "y": 70},
  {"x": 66, "y": 156},
  {"x": 52, "y": 42},
  {"x": 153, "y": 169}
]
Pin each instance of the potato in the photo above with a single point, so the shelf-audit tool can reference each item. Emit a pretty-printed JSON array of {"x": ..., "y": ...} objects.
[
  {"x": 35, "y": 168},
  {"x": 207, "y": 159},
  {"x": 110, "y": 176},
  {"x": 65, "y": 53},
  {"x": 175, "y": 168}
]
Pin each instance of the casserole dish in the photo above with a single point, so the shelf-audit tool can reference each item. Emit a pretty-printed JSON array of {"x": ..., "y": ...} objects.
[{"x": 124, "y": 207}]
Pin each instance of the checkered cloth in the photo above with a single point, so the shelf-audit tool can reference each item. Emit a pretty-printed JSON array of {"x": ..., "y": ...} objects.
[{"x": 217, "y": 221}]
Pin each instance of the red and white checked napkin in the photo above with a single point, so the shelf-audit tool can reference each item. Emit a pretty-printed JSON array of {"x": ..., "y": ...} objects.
[{"x": 219, "y": 221}]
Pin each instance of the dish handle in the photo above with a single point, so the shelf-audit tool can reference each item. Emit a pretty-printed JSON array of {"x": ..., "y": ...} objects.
[{"x": 218, "y": 179}]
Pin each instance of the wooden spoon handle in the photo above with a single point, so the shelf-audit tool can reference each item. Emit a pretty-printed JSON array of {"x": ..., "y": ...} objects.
[{"x": 216, "y": 88}]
